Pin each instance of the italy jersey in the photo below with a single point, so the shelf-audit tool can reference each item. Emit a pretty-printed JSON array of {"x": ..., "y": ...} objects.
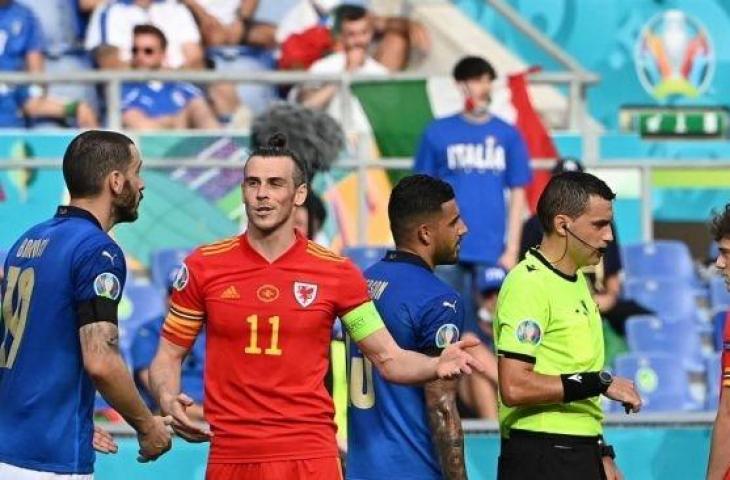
[
  {"x": 268, "y": 329},
  {"x": 46, "y": 397},
  {"x": 388, "y": 430},
  {"x": 158, "y": 99}
]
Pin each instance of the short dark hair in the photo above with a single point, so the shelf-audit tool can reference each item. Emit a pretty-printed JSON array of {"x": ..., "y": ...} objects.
[
  {"x": 472, "y": 67},
  {"x": 276, "y": 147},
  {"x": 568, "y": 193},
  {"x": 147, "y": 29},
  {"x": 347, "y": 13},
  {"x": 412, "y": 198},
  {"x": 90, "y": 157},
  {"x": 720, "y": 224}
]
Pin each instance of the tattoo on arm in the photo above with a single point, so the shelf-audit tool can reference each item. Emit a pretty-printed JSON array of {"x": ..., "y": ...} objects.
[
  {"x": 99, "y": 338},
  {"x": 446, "y": 432}
]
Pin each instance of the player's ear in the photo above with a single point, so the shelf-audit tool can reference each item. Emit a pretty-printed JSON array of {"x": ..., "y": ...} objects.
[
  {"x": 116, "y": 181},
  {"x": 424, "y": 234},
  {"x": 300, "y": 196}
]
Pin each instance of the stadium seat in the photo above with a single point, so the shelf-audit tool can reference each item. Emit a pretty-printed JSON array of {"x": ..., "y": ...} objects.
[
  {"x": 714, "y": 373},
  {"x": 162, "y": 262},
  {"x": 656, "y": 377},
  {"x": 668, "y": 297},
  {"x": 659, "y": 259},
  {"x": 140, "y": 303},
  {"x": 650, "y": 334},
  {"x": 719, "y": 295},
  {"x": 365, "y": 256}
]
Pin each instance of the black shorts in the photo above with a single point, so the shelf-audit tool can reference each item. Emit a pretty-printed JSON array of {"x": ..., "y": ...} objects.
[{"x": 546, "y": 456}]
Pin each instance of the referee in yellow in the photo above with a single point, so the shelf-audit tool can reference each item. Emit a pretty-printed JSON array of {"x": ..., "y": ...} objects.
[{"x": 550, "y": 344}]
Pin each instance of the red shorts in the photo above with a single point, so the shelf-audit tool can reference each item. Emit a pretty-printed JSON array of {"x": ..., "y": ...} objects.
[{"x": 311, "y": 469}]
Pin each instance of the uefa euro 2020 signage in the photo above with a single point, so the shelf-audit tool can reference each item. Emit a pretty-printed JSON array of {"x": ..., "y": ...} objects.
[{"x": 674, "y": 56}]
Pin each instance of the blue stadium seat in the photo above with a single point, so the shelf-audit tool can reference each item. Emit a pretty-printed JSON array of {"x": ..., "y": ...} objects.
[
  {"x": 650, "y": 334},
  {"x": 714, "y": 374},
  {"x": 140, "y": 303},
  {"x": 662, "y": 386},
  {"x": 162, "y": 262},
  {"x": 659, "y": 259},
  {"x": 668, "y": 297},
  {"x": 719, "y": 295},
  {"x": 365, "y": 256}
]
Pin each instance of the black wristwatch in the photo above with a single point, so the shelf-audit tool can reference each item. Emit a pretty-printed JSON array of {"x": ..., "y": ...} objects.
[
  {"x": 607, "y": 451},
  {"x": 606, "y": 379}
]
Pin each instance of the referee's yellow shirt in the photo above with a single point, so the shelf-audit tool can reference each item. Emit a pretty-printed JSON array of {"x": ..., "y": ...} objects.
[{"x": 550, "y": 319}]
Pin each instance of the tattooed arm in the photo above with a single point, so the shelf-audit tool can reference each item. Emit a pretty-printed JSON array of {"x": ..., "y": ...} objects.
[
  {"x": 104, "y": 364},
  {"x": 445, "y": 423}
]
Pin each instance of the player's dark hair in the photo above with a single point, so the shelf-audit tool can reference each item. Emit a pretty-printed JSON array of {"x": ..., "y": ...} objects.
[
  {"x": 147, "y": 29},
  {"x": 411, "y": 199},
  {"x": 90, "y": 157},
  {"x": 316, "y": 212},
  {"x": 720, "y": 224},
  {"x": 568, "y": 194},
  {"x": 347, "y": 13},
  {"x": 276, "y": 147},
  {"x": 472, "y": 67}
]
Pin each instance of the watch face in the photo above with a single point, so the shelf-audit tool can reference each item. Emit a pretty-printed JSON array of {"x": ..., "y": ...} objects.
[{"x": 605, "y": 377}]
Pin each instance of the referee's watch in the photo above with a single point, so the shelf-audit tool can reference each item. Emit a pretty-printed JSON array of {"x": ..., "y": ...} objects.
[{"x": 606, "y": 379}]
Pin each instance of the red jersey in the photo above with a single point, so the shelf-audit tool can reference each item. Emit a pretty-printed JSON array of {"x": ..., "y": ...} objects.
[
  {"x": 268, "y": 329},
  {"x": 725, "y": 382}
]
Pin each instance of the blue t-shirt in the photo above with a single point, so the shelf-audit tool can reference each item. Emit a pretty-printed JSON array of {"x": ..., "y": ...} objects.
[
  {"x": 144, "y": 348},
  {"x": 12, "y": 100},
  {"x": 46, "y": 396},
  {"x": 158, "y": 99},
  {"x": 480, "y": 160},
  {"x": 388, "y": 430},
  {"x": 20, "y": 33}
]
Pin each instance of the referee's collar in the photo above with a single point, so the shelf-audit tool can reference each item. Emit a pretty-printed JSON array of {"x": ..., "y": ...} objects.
[
  {"x": 406, "y": 257},
  {"x": 536, "y": 253},
  {"x": 68, "y": 211}
]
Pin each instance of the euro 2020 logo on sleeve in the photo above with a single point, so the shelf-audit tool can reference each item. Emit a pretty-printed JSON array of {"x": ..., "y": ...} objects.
[
  {"x": 529, "y": 331},
  {"x": 182, "y": 277},
  {"x": 674, "y": 56},
  {"x": 107, "y": 285},
  {"x": 447, "y": 334}
]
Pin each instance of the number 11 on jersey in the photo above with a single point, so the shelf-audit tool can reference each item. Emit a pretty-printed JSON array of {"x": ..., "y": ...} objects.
[{"x": 253, "y": 345}]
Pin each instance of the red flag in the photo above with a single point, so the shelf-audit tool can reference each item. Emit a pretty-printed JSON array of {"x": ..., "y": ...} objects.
[{"x": 539, "y": 143}]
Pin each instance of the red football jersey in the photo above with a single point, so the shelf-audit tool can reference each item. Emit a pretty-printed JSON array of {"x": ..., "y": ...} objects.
[
  {"x": 268, "y": 329},
  {"x": 725, "y": 382}
]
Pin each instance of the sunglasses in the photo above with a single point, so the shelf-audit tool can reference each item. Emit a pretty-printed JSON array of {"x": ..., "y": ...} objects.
[{"x": 145, "y": 50}]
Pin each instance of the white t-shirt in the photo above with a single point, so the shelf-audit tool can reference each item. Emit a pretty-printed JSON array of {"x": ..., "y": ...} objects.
[
  {"x": 225, "y": 11},
  {"x": 113, "y": 24},
  {"x": 336, "y": 63}
]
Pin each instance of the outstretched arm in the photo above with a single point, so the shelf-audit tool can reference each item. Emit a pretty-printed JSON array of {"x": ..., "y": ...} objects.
[{"x": 446, "y": 432}]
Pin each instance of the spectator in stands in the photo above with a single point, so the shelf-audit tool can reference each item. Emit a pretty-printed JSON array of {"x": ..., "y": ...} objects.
[
  {"x": 356, "y": 34},
  {"x": 22, "y": 38},
  {"x": 161, "y": 105},
  {"x": 231, "y": 22},
  {"x": 113, "y": 23},
  {"x": 18, "y": 105},
  {"x": 144, "y": 347}
]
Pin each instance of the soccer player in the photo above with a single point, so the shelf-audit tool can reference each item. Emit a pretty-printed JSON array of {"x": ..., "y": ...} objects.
[
  {"x": 400, "y": 431},
  {"x": 268, "y": 299},
  {"x": 58, "y": 334},
  {"x": 719, "y": 463},
  {"x": 549, "y": 343}
]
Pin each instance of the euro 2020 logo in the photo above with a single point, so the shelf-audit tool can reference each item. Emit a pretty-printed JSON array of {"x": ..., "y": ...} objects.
[{"x": 674, "y": 56}]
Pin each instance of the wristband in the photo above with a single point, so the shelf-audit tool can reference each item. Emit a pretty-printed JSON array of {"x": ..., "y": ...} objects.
[
  {"x": 579, "y": 386},
  {"x": 70, "y": 109},
  {"x": 607, "y": 451}
]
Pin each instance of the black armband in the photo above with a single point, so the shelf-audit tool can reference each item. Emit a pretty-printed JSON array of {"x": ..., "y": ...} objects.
[
  {"x": 98, "y": 309},
  {"x": 605, "y": 449},
  {"x": 579, "y": 386}
]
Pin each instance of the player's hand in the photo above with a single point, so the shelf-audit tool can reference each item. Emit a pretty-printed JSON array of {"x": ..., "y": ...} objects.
[
  {"x": 181, "y": 423},
  {"x": 623, "y": 390},
  {"x": 508, "y": 259},
  {"x": 103, "y": 442},
  {"x": 154, "y": 439},
  {"x": 454, "y": 360},
  {"x": 611, "y": 469}
]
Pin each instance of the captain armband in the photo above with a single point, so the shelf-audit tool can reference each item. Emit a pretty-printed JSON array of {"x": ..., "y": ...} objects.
[{"x": 363, "y": 320}]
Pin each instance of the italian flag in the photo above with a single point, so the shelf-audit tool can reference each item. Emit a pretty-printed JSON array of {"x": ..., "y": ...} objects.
[{"x": 399, "y": 111}]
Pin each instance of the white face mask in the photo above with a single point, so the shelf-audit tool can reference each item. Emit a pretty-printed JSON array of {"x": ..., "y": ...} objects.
[{"x": 484, "y": 315}]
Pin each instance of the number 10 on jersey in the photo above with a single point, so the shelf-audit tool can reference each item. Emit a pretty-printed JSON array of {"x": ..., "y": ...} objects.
[{"x": 253, "y": 347}]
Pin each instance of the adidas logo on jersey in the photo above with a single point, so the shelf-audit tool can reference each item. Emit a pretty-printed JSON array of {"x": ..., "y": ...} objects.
[{"x": 230, "y": 292}]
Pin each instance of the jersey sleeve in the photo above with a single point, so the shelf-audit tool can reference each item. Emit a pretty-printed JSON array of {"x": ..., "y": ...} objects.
[
  {"x": 518, "y": 173},
  {"x": 354, "y": 307},
  {"x": 521, "y": 320},
  {"x": 36, "y": 42},
  {"x": 99, "y": 274},
  {"x": 426, "y": 156},
  {"x": 187, "y": 306},
  {"x": 439, "y": 323}
]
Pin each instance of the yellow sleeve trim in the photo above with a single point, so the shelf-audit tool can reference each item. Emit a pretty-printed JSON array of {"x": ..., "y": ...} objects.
[{"x": 363, "y": 320}]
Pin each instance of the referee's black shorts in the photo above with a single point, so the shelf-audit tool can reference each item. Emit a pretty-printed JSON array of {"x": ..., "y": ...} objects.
[{"x": 546, "y": 456}]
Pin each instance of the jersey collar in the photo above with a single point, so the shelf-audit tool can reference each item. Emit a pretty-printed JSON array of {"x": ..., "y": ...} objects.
[
  {"x": 405, "y": 257},
  {"x": 68, "y": 211},
  {"x": 536, "y": 253}
]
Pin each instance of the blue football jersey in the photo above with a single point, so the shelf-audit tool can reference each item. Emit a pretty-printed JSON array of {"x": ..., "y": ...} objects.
[
  {"x": 20, "y": 33},
  {"x": 46, "y": 396},
  {"x": 158, "y": 99},
  {"x": 480, "y": 160},
  {"x": 388, "y": 431}
]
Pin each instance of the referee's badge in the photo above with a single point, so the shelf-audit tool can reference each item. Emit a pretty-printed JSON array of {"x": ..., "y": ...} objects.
[
  {"x": 447, "y": 334},
  {"x": 529, "y": 331}
]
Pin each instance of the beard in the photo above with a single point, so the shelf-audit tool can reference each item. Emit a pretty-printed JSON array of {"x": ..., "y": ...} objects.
[{"x": 125, "y": 205}]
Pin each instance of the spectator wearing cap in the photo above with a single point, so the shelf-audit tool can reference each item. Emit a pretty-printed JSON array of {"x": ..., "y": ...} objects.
[
  {"x": 144, "y": 348},
  {"x": 604, "y": 279}
]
